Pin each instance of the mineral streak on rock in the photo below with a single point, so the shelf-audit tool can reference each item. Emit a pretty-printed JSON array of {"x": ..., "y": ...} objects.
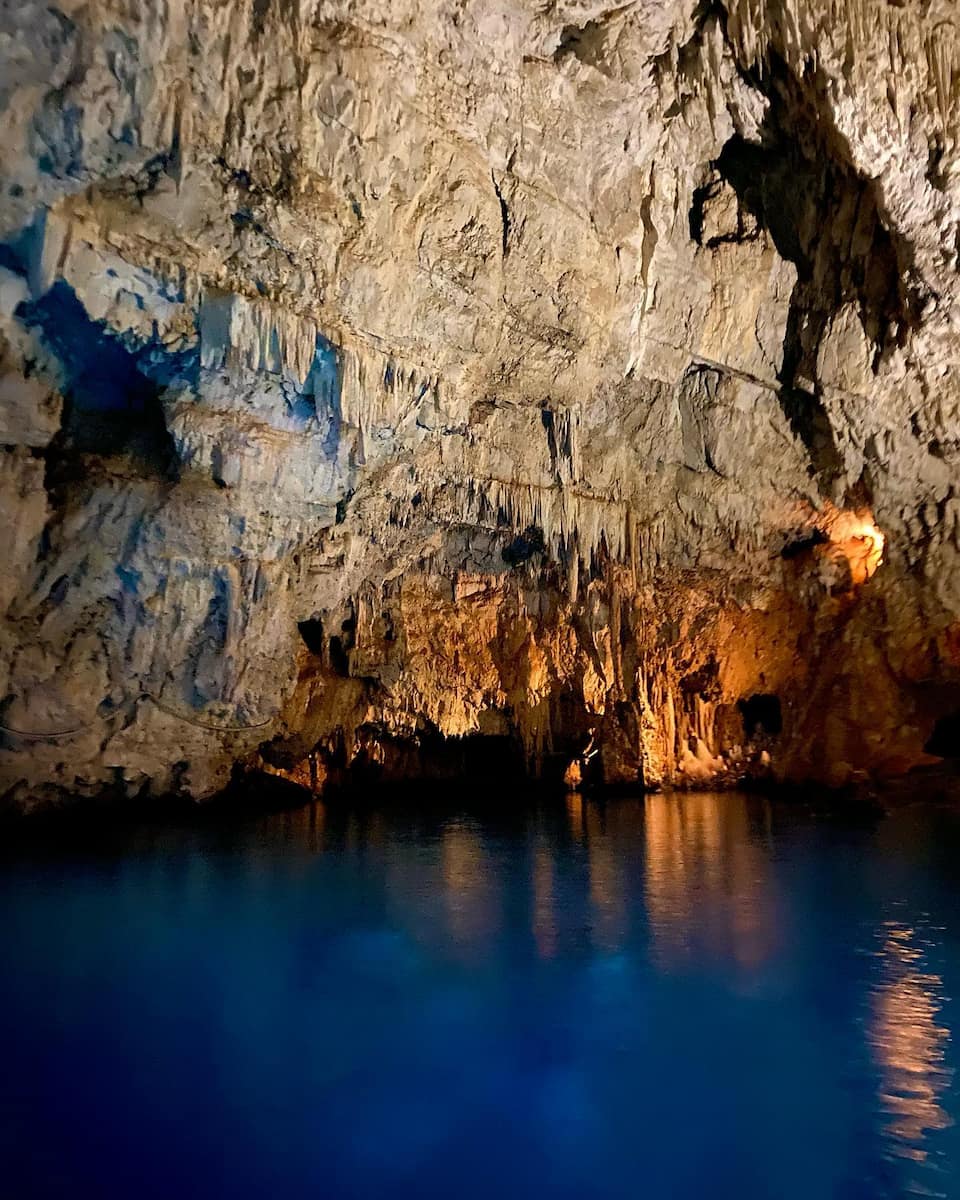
[{"x": 408, "y": 384}]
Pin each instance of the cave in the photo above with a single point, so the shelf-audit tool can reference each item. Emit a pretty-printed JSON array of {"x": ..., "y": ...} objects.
[
  {"x": 944, "y": 740},
  {"x": 637, "y": 452},
  {"x": 480, "y": 618},
  {"x": 524, "y": 547},
  {"x": 311, "y": 633},
  {"x": 339, "y": 656},
  {"x": 761, "y": 715},
  {"x": 475, "y": 763}
]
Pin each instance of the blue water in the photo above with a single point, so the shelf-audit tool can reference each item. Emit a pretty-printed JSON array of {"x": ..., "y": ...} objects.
[{"x": 652, "y": 997}]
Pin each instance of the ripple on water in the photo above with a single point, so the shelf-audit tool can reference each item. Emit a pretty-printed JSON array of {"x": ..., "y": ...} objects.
[{"x": 910, "y": 1041}]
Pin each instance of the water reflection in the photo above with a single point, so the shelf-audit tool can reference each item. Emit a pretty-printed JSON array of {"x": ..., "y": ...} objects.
[
  {"x": 910, "y": 1041},
  {"x": 545, "y": 930},
  {"x": 607, "y": 835},
  {"x": 710, "y": 890},
  {"x": 662, "y": 995},
  {"x": 470, "y": 887},
  {"x": 575, "y": 815}
]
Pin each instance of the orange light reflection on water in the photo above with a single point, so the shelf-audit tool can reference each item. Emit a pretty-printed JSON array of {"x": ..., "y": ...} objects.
[
  {"x": 545, "y": 931},
  {"x": 707, "y": 876},
  {"x": 909, "y": 1043},
  {"x": 470, "y": 886}
]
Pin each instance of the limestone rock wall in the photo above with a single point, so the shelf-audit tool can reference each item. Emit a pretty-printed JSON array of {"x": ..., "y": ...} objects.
[{"x": 578, "y": 377}]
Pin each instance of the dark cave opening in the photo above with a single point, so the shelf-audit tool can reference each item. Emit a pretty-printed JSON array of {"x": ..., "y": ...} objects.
[
  {"x": 311, "y": 633},
  {"x": 524, "y": 546},
  {"x": 944, "y": 740},
  {"x": 334, "y": 652},
  {"x": 761, "y": 714},
  {"x": 474, "y": 760}
]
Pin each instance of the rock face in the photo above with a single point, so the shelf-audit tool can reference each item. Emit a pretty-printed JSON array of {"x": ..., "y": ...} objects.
[{"x": 410, "y": 385}]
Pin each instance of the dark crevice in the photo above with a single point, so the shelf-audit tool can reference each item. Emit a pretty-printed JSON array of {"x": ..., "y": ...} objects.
[
  {"x": 803, "y": 545},
  {"x": 340, "y": 645},
  {"x": 549, "y": 421},
  {"x": 343, "y": 505},
  {"x": 339, "y": 658},
  {"x": 576, "y": 40},
  {"x": 824, "y": 217},
  {"x": 701, "y": 195},
  {"x": 746, "y": 231},
  {"x": 258, "y": 17},
  {"x": 810, "y": 423},
  {"x": 703, "y": 682},
  {"x": 504, "y": 217}
]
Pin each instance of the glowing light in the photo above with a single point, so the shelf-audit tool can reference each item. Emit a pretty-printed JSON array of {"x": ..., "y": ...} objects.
[
  {"x": 858, "y": 537},
  {"x": 851, "y": 548}
]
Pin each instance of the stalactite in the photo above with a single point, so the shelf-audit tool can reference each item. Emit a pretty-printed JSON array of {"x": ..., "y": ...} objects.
[
  {"x": 383, "y": 392},
  {"x": 869, "y": 30},
  {"x": 257, "y": 335},
  {"x": 463, "y": 454}
]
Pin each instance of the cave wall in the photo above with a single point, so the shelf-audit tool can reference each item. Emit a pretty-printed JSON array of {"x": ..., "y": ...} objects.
[{"x": 574, "y": 379}]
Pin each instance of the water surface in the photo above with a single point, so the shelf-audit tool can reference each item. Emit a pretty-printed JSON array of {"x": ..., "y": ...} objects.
[{"x": 652, "y": 997}]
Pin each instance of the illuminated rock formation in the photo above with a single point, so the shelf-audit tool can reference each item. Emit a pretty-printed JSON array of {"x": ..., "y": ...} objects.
[{"x": 409, "y": 385}]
